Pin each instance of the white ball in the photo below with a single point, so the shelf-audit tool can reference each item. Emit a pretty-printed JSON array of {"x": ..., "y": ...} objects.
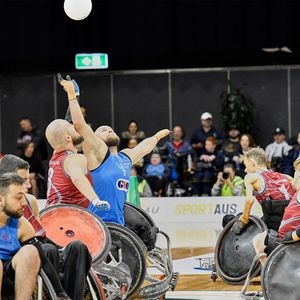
[{"x": 77, "y": 9}]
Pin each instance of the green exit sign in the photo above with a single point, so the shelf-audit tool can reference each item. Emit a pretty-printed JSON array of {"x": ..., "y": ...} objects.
[{"x": 84, "y": 61}]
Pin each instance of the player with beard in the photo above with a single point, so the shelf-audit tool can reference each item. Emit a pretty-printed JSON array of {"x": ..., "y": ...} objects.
[
  {"x": 109, "y": 168},
  {"x": 69, "y": 181},
  {"x": 19, "y": 265}
]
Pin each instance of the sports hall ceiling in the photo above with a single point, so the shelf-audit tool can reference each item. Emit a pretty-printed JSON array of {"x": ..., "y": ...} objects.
[{"x": 36, "y": 35}]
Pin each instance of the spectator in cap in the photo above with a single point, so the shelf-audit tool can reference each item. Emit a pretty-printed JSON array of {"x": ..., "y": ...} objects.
[
  {"x": 288, "y": 161},
  {"x": 231, "y": 146},
  {"x": 206, "y": 130},
  {"x": 277, "y": 150}
]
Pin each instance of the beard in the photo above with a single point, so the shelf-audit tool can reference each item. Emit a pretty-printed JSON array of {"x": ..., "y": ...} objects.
[
  {"x": 112, "y": 141},
  {"x": 13, "y": 214},
  {"x": 77, "y": 140}
]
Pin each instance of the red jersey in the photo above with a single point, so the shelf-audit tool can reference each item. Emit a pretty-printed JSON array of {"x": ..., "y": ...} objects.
[
  {"x": 276, "y": 186},
  {"x": 29, "y": 215},
  {"x": 291, "y": 218},
  {"x": 61, "y": 189}
]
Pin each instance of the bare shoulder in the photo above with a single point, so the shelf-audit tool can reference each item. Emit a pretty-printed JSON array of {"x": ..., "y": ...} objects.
[
  {"x": 75, "y": 157},
  {"x": 251, "y": 178}
]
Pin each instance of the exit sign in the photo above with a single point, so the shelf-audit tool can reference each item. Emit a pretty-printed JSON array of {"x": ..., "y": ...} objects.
[{"x": 84, "y": 61}]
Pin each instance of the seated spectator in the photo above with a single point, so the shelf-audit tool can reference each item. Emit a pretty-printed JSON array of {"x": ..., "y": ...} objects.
[
  {"x": 206, "y": 130},
  {"x": 132, "y": 132},
  {"x": 207, "y": 164},
  {"x": 288, "y": 161},
  {"x": 246, "y": 143},
  {"x": 228, "y": 183},
  {"x": 178, "y": 152},
  {"x": 133, "y": 142},
  {"x": 277, "y": 150},
  {"x": 37, "y": 171},
  {"x": 32, "y": 134},
  {"x": 156, "y": 173},
  {"x": 231, "y": 146}
]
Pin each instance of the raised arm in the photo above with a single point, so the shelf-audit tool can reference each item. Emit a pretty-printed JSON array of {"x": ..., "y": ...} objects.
[
  {"x": 250, "y": 181},
  {"x": 146, "y": 146},
  {"x": 75, "y": 165},
  {"x": 92, "y": 142}
]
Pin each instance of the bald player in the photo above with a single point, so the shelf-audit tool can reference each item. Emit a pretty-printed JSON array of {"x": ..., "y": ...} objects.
[
  {"x": 69, "y": 181},
  {"x": 109, "y": 168}
]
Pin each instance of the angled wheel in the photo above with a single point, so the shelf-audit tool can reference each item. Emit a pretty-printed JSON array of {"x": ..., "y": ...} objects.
[
  {"x": 125, "y": 263},
  {"x": 281, "y": 273},
  {"x": 234, "y": 253},
  {"x": 67, "y": 223}
]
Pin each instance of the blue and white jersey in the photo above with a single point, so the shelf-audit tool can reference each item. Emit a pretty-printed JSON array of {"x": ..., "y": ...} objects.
[{"x": 111, "y": 183}]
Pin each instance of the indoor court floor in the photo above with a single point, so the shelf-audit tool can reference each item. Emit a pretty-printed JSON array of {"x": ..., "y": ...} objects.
[{"x": 191, "y": 243}]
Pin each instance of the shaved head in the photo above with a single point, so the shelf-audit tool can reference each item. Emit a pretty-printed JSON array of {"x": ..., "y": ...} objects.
[
  {"x": 60, "y": 133},
  {"x": 108, "y": 136}
]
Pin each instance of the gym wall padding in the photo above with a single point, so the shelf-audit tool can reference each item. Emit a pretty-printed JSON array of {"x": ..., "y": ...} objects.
[
  {"x": 268, "y": 92},
  {"x": 150, "y": 100},
  {"x": 143, "y": 98},
  {"x": 20, "y": 96},
  {"x": 195, "y": 93}
]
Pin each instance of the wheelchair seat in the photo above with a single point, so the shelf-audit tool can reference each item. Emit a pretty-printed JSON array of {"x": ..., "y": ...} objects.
[{"x": 141, "y": 224}]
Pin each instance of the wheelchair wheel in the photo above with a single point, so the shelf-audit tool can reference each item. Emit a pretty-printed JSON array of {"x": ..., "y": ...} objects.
[
  {"x": 43, "y": 289},
  {"x": 281, "y": 273},
  {"x": 94, "y": 288},
  {"x": 67, "y": 223},
  {"x": 127, "y": 249},
  {"x": 140, "y": 222},
  {"x": 235, "y": 253}
]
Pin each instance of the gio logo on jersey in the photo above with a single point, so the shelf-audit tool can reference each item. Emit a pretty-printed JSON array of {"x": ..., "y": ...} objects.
[{"x": 122, "y": 184}]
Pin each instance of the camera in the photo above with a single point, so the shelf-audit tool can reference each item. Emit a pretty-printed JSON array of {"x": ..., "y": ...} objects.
[{"x": 225, "y": 175}]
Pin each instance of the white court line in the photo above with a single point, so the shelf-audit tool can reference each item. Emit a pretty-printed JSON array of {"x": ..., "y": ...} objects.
[{"x": 203, "y": 295}]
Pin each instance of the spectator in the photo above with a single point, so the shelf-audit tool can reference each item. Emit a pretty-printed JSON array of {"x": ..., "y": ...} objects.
[
  {"x": 133, "y": 142},
  {"x": 36, "y": 171},
  {"x": 228, "y": 183},
  {"x": 277, "y": 150},
  {"x": 207, "y": 164},
  {"x": 206, "y": 130},
  {"x": 231, "y": 146},
  {"x": 246, "y": 143},
  {"x": 143, "y": 186},
  {"x": 156, "y": 173},
  {"x": 288, "y": 161},
  {"x": 179, "y": 152},
  {"x": 31, "y": 134},
  {"x": 132, "y": 132}
]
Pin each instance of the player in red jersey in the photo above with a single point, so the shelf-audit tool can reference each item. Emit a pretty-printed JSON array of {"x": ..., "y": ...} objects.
[
  {"x": 68, "y": 178},
  {"x": 271, "y": 189},
  {"x": 289, "y": 230},
  {"x": 75, "y": 258}
]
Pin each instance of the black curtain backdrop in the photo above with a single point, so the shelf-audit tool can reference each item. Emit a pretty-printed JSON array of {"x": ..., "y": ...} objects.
[{"x": 37, "y": 36}]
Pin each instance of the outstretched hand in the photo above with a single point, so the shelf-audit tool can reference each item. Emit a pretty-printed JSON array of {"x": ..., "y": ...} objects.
[
  {"x": 162, "y": 133},
  {"x": 69, "y": 85}
]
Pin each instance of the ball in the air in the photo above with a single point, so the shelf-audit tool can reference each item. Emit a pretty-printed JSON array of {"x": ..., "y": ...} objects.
[{"x": 77, "y": 9}]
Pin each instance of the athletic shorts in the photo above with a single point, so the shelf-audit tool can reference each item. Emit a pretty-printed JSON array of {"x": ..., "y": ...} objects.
[
  {"x": 8, "y": 282},
  {"x": 271, "y": 241}
]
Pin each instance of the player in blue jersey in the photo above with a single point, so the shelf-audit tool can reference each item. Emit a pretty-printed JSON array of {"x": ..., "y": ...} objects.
[
  {"x": 19, "y": 265},
  {"x": 109, "y": 168}
]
